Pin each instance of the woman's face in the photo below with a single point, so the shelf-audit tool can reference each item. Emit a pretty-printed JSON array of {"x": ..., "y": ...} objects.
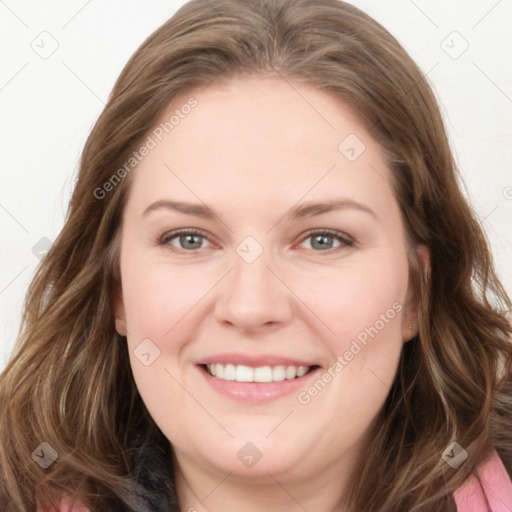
[{"x": 288, "y": 280}]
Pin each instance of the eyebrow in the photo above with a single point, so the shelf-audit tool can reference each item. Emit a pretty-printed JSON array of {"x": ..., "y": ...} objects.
[{"x": 302, "y": 211}]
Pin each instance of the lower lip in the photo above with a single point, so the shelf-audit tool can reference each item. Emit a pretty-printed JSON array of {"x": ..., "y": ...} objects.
[{"x": 257, "y": 391}]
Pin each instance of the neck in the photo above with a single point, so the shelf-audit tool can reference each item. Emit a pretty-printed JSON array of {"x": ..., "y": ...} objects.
[{"x": 201, "y": 491}]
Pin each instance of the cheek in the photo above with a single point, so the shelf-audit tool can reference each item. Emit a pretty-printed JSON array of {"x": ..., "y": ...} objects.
[
  {"x": 156, "y": 307},
  {"x": 351, "y": 299},
  {"x": 360, "y": 308},
  {"x": 158, "y": 296},
  {"x": 162, "y": 303}
]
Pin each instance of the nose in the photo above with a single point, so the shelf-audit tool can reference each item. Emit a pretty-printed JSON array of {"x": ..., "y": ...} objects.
[{"x": 253, "y": 296}]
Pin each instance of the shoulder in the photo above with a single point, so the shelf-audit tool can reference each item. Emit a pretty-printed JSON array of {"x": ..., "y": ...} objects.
[{"x": 494, "y": 493}]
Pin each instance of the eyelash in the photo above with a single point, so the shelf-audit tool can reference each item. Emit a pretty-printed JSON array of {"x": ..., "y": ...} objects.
[{"x": 163, "y": 240}]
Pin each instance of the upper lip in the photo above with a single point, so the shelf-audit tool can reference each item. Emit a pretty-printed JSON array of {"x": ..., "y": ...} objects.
[{"x": 254, "y": 361}]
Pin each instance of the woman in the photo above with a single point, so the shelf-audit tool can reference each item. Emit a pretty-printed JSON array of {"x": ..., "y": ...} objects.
[{"x": 269, "y": 292}]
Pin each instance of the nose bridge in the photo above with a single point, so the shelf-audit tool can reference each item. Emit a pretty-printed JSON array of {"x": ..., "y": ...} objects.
[
  {"x": 251, "y": 279},
  {"x": 253, "y": 295},
  {"x": 251, "y": 268}
]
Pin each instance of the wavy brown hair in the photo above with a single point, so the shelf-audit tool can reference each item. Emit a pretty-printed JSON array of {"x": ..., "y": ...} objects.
[{"x": 69, "y": 382}]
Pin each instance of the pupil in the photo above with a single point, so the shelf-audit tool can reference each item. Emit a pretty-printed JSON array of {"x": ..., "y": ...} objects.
[
  {"x": 190, "y": 238},
  {"x": 322, "y": 239}
]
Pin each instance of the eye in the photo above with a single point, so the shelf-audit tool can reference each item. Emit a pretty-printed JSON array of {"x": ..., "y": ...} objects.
[
  {"x": 323, "y": 240},
  {"x": 190, "y": 240},
  {"x": 187, "y": 240}
]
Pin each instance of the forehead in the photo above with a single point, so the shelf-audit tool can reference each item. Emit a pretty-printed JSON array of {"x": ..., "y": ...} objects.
[{"x": 254, "y": 138}]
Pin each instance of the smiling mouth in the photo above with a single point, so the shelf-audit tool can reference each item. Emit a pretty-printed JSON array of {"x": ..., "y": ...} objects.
[{"x": 264, "y": 374}]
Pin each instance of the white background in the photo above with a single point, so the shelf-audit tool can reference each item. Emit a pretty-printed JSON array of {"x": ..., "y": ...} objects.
[{"x": 48, "y": 106}]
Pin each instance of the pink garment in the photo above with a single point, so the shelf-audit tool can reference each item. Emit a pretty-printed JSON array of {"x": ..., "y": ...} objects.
[
  {"x": 65, "y": 506},
  {"x": 496, "y": 483},
  {"x": 468, "y": 498}
]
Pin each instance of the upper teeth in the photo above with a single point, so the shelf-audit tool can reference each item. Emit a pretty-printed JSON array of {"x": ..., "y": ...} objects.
[{"x": 242, "y": 373}]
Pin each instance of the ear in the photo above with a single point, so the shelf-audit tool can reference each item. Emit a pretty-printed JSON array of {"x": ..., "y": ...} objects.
[
  {"x": 410, "y": 320},
  {"x": 119, "y": 313}
]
